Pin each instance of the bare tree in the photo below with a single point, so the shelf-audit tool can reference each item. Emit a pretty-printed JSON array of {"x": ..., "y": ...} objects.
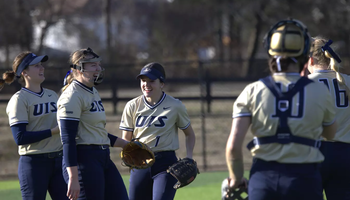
[
  {"x": 107, "y": 15},
  {"x": 24, "y": 25},
  {"x": 47, "y": 14}
]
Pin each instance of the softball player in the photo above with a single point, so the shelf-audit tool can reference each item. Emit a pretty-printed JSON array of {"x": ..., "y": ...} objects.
[
  {"x": 87, "y": 166},
  {"x": 287, "y": 114},
  {"x": 154, "y": 118},
  {"x": 324, "y": 65},
  {"x": 32, "y": 117}
]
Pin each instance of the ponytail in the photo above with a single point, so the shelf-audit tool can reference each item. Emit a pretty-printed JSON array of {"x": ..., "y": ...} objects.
[
  {"x": 326, "y": 56},
  {"x": 7, "y": 77},
  {"x": 68, "y": 79},
  {"x": 335, "y": 65}
]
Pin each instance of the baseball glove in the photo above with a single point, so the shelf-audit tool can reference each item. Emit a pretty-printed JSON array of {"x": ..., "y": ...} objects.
[
  {"x": 240, "y": 193},
  {"x": 137, "y": 155},
  {"x": 185, "y": 171}
]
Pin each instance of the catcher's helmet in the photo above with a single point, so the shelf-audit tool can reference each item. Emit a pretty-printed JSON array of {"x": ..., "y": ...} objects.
[{"x": 288, "y": 38}]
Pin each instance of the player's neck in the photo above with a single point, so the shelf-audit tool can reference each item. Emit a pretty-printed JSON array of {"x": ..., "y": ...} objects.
[
  {"x": 152, "y": 100},
  {"x": 318, "y": 67},
  {"x": 292, "y": 68},
  {"x": 86, "y": 81},
  {"x": 33, "y": 87}
]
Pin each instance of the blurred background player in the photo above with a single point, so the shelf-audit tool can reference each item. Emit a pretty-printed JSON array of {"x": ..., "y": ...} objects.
[
  {"x": 32, "y": 117},
  {"x": 324, "y": 65},
  {"x": 287, "y": 114},
  {"x": 154, "y": 118},
  {"x": 87, "y": 166}
]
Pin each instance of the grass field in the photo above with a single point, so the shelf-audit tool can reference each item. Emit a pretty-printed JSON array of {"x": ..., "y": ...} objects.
[{"x": 206, "y": 186}]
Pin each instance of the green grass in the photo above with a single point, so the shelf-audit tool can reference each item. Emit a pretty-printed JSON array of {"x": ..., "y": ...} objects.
[
  {"x": 206, "y": 186},
  {"x": 10, "y": 190}
]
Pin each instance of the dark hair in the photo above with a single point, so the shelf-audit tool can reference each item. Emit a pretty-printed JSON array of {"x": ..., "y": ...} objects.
[
  {"x": 284, "y": 63},
  {"x": 9, "y": 76}
]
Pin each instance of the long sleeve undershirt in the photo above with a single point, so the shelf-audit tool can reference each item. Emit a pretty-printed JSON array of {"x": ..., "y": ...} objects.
[
  {"x": 112, "y": 139},
  {"x": 69, "y": 129},
  {"x": 23, "y": 137}
]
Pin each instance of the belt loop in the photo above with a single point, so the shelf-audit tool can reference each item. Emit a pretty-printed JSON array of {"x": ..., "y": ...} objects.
[
  {"x": 51, "y": 155},
  {"x": 256, "y": 141},
  {"x": 318, "y": 143}
]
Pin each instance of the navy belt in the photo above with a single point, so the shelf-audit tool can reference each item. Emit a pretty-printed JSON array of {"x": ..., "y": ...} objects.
[
  {"x": 47, "y": 155},
  {"x": 160, "y": 154},
  {"x": 93, "y": 146}
]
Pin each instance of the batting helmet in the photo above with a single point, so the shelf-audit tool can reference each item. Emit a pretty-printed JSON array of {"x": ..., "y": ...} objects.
[{"x": 288, "y": 38}]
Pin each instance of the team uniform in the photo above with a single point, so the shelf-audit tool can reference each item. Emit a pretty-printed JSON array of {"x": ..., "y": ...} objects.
[
  {"x": 335, "y": 168},
  {"x": 287, "y": 115},
  {"x": 82, "y": 121},
  {"x": 31, "y": 116},
  {"x": 157, "y": 126}
]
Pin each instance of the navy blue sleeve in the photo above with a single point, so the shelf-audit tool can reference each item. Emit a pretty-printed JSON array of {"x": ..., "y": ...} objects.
[
  {"x": 112, "y": 139},
  {"x": 22, "y": 136},
  {"x": 69, "y": 129}
]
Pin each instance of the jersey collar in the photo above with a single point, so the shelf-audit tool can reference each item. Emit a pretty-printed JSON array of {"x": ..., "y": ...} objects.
[
  {"x": 155, "y": 105},
  {"x": 40, "y": 94},
  {"x": 323, "y": 71},
  {"x": 86, "y": 88},
  {"x": 286, "y": 74}
]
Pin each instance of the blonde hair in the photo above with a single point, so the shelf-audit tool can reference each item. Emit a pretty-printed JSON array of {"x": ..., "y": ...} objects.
[
  {"x": 69, "y": 79},
  {"x": 9, "y": 76},
  {"x": 324, "y": 58},
  {"x": 74, "y": 58}
]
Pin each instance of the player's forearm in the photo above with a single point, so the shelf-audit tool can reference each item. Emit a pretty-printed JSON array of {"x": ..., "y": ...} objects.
[
  {"x": 127, "y": 135},
  {"x": 235, "y": 166},
  {"x": 112, "y": 139},
  {"x": 190, "y": 142},
  {"x": 22, "y": 136},
  {"x": 72, "y": 173},
  {"x": 234, "y": 155},
  {"x": 120, "y": 143},
  {"x": 69, "y": 131}
]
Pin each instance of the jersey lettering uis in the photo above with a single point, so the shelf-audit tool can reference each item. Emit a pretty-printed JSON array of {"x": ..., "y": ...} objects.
[
  {"x": 309, "y": 112},
  {"x": 81, "y": 103},
  {"x": 38, "y": 111},
  {"x": 342, "y": 108},
  {"x": 156, "y": 125}
]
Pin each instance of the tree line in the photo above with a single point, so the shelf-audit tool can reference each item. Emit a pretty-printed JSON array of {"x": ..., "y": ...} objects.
[{"x": 165, "y": 30}]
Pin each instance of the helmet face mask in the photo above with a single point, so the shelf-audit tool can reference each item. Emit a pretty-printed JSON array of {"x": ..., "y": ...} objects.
[
  {"x": 95, "y": 58},
  {"x": 288, "y": 38},
  {"x": 99, "y": 77}
]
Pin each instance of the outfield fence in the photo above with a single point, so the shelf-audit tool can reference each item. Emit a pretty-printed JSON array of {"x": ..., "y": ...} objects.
[{"x": 208, "y": 89}]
